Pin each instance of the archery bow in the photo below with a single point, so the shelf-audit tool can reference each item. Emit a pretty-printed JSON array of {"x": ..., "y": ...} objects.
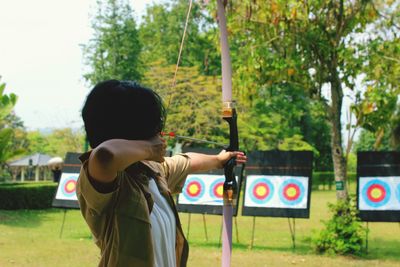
[{"x": 229, "y": 115}]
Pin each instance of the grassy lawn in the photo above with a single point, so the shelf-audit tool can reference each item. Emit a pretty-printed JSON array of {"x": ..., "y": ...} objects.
[{"x": 31, "y": 238}]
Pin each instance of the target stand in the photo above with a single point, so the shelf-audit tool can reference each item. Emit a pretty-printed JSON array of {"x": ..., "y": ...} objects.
[
  {"x": 378, "y": 187},
  {"x": 65, "y": 197},
  {"x": 202, "y": 193},
  {"x": 278, "y": 184}
]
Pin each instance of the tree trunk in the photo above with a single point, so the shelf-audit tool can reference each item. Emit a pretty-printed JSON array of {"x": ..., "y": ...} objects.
[
  {"x": 339, "y": 161},
  {"x": 379, "y": 137}
]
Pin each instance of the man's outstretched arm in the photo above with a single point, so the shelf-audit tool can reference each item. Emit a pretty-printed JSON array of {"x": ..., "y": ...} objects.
[{"x": 202, "y": 162}]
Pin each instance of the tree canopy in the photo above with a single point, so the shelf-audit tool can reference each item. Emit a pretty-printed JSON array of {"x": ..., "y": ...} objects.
[
  {"x": 113, "y": 52},
  {"x": 9, "y": 131}
]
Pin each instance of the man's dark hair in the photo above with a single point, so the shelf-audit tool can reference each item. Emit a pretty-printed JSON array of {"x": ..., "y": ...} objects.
[{"x": 122, "y": 110}]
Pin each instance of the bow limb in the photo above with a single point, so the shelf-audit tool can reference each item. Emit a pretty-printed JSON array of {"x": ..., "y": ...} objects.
[{"x": 229, "y": 115}]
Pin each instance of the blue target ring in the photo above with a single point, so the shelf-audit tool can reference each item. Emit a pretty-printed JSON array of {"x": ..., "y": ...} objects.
[
  {"x": 194, "y": 189},
  {"x": 215, "y": 192},
  {"x": 68, "y": 187},
  {"x": 261, "y": 191},
  {"x": 291, "y": 192},
  {"x": 376, "y": 193}
]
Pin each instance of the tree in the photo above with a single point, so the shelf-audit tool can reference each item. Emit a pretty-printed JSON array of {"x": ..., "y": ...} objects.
[
  {"x": 395, "y": 134},
  {"x": 39, "y": 143},
  {"x": 193, "y": 105},
  {"x": 161, "y": 33},
  {"x": 309, "y": 43},
  {"x": 19, "y": 142},
  {"x": 272, "y": 84},
  {"x": 367, "y": 140},
  {"x": 113, "y": 52},
  {"x": 376, "y": 107},
  {"x": 56, "y": 143},
  {"x": 11, "y": 128},
  {"x": 284, "y": 118}
]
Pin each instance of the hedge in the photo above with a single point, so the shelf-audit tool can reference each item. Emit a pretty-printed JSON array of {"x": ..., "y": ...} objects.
[
  {"x": 27, "y": 195},
  {"x": 326, "y": 180}
]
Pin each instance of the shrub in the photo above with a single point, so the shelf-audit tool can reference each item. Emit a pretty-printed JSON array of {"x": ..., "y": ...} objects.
[
  {"x": 4, "y": 175},
  {"x": 27, "y": 195},
  {"x": 344, "y": 234},
  {"x": 322, "y": 180}
]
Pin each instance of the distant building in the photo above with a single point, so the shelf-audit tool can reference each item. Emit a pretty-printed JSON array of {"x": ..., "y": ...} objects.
[{"x": 33, "y": 167}]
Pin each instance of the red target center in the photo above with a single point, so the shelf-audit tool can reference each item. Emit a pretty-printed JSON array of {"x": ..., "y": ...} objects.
[
  {"x": 218, "y": 190},
  {"x": 291, "y": 192},
  {"x": 193, "y": 189},
  {"x": 261, "y": 191},
  {"x": 70, "y": 186},
  {"x": 376, "y": 193}
]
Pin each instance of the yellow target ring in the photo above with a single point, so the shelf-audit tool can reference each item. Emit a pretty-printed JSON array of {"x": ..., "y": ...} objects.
[
  {"x": 220, "y": 190},
  {"x": 194, "y": 189},
  {"x": 261, "y": 190},
  {"x": 291, "y": 192},
  {"x": 71, "y": 187},
  {"x": 376, "y": 193}
]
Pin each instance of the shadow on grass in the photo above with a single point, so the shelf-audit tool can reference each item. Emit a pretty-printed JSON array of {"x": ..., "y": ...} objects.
[
  {"x": 25, "y": 218},
  {"x": 301, "y": 248},
  {"x": 380, "y": 249}
]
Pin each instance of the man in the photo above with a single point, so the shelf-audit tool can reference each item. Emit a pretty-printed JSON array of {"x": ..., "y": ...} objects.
[{"x": 125, "y": 186}]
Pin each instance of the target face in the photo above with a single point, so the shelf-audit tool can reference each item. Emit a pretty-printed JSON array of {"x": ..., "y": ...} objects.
[
  {"x": 262, "y": 191},
  {"x": 291, "y": 192},
  {"x": 217, "y": 190},
  {"x": 194, "y": 189},
  {"x": 203, "y": 189},
  {"x": 67, "y": 187},
  {"x": 272, "y": 191},
  {"x": 379, "y": 193},
  {"x": 376, "y": 193}
]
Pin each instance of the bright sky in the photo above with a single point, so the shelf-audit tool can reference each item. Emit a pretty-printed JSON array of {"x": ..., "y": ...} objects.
[{"x": 41, "y": 60}]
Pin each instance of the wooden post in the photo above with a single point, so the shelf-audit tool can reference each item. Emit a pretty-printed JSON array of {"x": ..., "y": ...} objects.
[
  {"x": 252, "y": 232},
  {"x": 37, "y": 174},
  {"x": 62, "y": 225},
  {"x": 237, "y": 231},
  {"x": 22, "y": 174},
  {"x": 366, "y": 239},
  {"x": 188, "y": 229},
  {"x": 205, "y": 227},
  {"x": 293, "y": 232}
]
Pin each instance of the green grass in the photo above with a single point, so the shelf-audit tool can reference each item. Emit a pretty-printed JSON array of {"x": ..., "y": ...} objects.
[{"x": 31, "y": 238}]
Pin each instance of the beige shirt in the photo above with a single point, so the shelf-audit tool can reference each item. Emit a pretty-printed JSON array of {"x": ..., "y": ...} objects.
[{"x": 119, "y": 220}]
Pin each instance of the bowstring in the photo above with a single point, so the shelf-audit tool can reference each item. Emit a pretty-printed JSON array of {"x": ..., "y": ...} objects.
[{"x": 180, "y": 53}]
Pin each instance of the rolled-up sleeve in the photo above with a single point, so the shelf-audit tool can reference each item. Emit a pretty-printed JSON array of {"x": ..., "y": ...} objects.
[
  {"x": 176, "y": 169},
  {"x": 91, "y": 200}
]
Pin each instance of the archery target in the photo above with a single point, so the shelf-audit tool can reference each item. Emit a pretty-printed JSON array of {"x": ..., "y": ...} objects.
[
  {"x": 379, "y": 193},
  {"x": 194, "y": 189},
  {"x": 291, "y": 192},
  {"x": 202, "y": 189},
  {"x": 217, "y": 189},
  {"x": 262, "y": 191},
  {"x": 67, "y": 186},
  {"x": 271, "y": 191}
]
